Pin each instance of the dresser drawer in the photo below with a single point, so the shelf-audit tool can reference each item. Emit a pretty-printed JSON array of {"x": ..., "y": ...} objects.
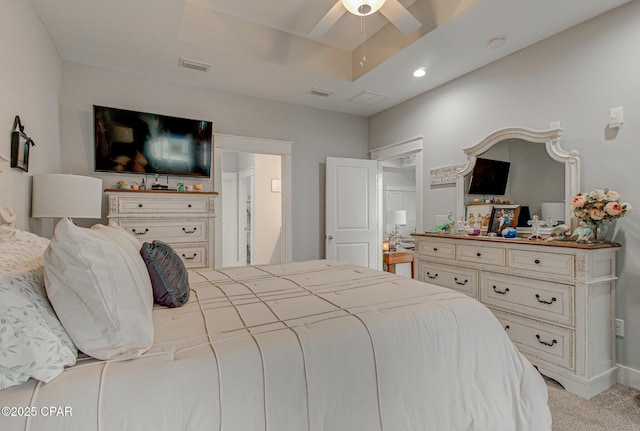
[
  {"x": 430, "y": 248},
  {"x": 184, "y": 205},
  {"x": 481, "y": 254},
  {"x": 547, "y": 342},
  {"x": 548, "y": 263},
  {"x": 193, "y": 255},
  {"x": 461, "y": 279},
  {"x": 168, "y": 230},
  {"x": 534, "y": 298}
]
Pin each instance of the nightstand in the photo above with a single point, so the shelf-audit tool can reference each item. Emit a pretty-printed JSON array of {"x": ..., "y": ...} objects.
[{"x": 390, "y": 258}]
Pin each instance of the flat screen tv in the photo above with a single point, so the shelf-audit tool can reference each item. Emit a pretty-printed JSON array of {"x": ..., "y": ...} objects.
[
  {"x": 489, "y": 177},
  {"x": 143, "y": 143}
]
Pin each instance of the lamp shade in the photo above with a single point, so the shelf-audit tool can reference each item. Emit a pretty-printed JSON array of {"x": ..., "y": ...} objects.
[
  {"x": 362, "y": 7},
  {"x": 66, "y": 195},
  {"x": 397, "y": 217}
]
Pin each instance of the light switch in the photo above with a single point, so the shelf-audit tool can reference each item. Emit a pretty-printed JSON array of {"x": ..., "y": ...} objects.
[{"x": 616, "y": 117}]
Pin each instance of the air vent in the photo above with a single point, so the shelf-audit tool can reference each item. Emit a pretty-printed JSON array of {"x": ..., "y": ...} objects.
[
  {"x": 368, "y": 98},
  {"x": 320, "y": 92},
  {"x": 195, "y": 65}
]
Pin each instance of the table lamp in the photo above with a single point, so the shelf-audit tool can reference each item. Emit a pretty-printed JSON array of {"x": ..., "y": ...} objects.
[{"x": 66, "y": 195}]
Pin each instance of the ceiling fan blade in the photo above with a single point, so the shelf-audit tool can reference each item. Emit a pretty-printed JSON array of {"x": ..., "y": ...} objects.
[
  {"x": 327, "y": 21},
  {"x": 400, "y": 16}
]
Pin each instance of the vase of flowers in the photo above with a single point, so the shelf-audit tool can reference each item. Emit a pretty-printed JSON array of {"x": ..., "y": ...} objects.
[{"x": 598, "y": 209}]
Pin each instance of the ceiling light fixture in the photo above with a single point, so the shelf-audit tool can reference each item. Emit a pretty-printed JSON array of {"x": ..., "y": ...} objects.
[
  {"x": 420, "y": 72},
  {"x": 496, "y": 42},
  {"x": 363, "y": 8}
]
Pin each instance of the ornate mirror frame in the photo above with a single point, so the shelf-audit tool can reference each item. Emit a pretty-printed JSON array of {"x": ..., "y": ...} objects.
[{"x": 550, "y": 138}]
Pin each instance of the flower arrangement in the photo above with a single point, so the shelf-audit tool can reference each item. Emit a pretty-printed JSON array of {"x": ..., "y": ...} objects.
[{"x": 599, "y": 205}]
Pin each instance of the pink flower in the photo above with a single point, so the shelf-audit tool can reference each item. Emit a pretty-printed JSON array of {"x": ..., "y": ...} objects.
[
  {"x": 613, "y": 208},
  {"x": 578, "y": 201},
  {"x": 596, "y": 214}
]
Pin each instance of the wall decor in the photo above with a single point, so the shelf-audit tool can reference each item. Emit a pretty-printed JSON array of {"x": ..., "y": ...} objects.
[
  {"x": 444, "y": 175},
  {"x": 20, "y": 146}
]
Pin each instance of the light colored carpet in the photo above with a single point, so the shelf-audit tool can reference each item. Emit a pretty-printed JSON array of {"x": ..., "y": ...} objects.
[{"x": 616, "y": 409}]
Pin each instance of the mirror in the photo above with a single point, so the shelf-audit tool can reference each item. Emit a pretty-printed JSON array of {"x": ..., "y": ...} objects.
[{"x": 541, "y": 171}]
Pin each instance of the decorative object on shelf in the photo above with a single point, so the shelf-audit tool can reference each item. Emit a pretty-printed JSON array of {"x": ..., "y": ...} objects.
[
  {"x": 445, "y": 226},
  {"x": 509, "y": 232},
  {"x": 583, "y": 232},
  {"x": 397, "y": 218},
  {"x": 180, "y": 187},
  {"x": 198, "y": 188},
  {"x": 473, "y": 231},
  {"x": 597, "y": 209},
  {"x": 20, "y": 146},
  {"x": 123, "y": 185},
  {"x": 559, "y": 232},
  {"x": 503, "y": 216},
  {"x": 386, "y": 246},
  {"x": 536, "y": 224},
  {"x": 66, "y": 195}
]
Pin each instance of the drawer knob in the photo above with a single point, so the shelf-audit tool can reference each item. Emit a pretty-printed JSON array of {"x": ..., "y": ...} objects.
[
  {"x": 459, "y": 282},
  {"x": 139, "y": 205},
  {"x": 189, "y": 231},
  {"x": 435, "y": 248},
  {"x": 542, "y": 301},
  {"x": 501, "y": 292},
  {"x": 546, "y": 343},
  {"x": 537, "y": 261},
  {"x": 478, "y": 254},
  {"x": 432, "y": 276},
  {"x": 189, "y": 206},
  {"x": 189, "y": 257},
  {"x": 140, "y": 232}
]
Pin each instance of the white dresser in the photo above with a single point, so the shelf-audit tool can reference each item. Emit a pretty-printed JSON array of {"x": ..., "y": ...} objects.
[
  {"x": 183, "y": 220},
  {"x": 555, "y": 299}
]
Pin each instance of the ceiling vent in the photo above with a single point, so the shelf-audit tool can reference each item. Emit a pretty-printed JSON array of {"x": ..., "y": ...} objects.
[
  {"x": 195, "y": 65},
  {"x": 320, "y": 92},
  {"x": 368, "y": 98}
]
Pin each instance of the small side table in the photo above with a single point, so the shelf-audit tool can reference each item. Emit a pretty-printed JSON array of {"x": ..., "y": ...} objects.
[{"x": 390, "y": 258}]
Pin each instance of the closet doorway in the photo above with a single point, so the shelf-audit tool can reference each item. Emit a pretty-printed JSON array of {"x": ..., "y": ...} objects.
[{"x": 253, "y": 210}]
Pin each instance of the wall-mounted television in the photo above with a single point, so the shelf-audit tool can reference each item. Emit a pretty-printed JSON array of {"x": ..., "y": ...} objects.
[
  {"x": 489, "y": 177},
  {"x": 142, "y": 143}
]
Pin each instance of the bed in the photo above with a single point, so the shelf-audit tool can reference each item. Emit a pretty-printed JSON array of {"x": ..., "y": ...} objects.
[{"x": 316, "y": 345}]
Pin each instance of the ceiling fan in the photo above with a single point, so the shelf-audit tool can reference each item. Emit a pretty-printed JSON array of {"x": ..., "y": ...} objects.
[{"x": 391, "y": 9}]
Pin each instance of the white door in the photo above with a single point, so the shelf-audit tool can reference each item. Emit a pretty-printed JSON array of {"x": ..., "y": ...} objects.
[
  {"x": 230, "y": 219},
  {"x": 352, "y": 212}
]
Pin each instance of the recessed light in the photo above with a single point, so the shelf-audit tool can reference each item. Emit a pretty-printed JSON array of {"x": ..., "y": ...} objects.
[
  {"x": 496, "y": 42},
  {"x": 419, "y": 73}
]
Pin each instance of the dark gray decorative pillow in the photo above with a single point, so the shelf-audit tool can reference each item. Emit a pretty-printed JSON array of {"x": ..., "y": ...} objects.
[{"x": 169, "y": 277}]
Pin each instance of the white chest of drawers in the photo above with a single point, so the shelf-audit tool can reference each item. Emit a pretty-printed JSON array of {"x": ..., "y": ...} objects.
[
  {"x": 555, "y": 299},
  {"x": 183, "y": 220}
]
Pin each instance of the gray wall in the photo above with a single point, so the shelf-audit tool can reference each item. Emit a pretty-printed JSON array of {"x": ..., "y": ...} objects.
[
  {"x": 315, "y": 133},
  {"x": 574, "y": 78},
  {"x": 29, "y": 87}
]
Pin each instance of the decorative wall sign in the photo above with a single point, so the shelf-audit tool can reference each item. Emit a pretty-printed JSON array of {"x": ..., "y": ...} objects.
[{"x": 445, "y": 175}]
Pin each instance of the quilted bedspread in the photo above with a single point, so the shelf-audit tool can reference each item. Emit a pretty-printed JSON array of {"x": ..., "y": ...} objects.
[{"x": 315, "y": 345}]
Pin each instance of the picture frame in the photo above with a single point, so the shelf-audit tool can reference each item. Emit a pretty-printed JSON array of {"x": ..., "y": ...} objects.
[
  {"x": 20, "y": 146},
  {"x": 503, "y": 216},
  {"x": 479, "y": 215}
]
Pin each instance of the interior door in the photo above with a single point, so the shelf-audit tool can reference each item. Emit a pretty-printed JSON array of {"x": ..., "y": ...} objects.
[{"x": 351, "y": 230}]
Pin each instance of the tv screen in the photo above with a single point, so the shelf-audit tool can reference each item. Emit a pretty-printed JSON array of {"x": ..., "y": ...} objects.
[
  {"x": 489, "y": 177},
  {"x": 143, "y": 143}
]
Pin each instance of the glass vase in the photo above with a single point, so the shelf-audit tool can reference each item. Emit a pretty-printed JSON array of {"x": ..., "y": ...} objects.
[{"x": 601, "y": 230}]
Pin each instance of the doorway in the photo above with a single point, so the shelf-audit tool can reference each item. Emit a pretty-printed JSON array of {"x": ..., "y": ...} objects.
[{"x": 253, "y": 224}]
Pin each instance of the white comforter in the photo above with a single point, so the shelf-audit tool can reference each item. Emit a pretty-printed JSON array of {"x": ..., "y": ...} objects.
[{"x": 314, "y": 346}]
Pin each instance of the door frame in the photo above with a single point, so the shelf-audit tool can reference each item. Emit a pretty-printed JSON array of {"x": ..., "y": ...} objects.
[
  {"x": 395, "y": 150},
  {"x": 245, "y": 144}
]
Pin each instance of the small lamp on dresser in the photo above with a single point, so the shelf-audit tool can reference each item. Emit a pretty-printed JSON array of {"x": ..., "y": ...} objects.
[{"x": 66, "y": 195}]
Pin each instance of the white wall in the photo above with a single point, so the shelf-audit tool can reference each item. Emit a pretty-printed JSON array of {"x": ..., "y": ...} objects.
[
  {"x": 315, "y": 133},
  {"x": 574, "y": 78},
  {"x": 29, "y": 87}
]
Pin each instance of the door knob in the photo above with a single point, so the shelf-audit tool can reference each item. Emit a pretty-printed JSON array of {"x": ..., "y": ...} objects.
[{"x": 330, "y": 237}]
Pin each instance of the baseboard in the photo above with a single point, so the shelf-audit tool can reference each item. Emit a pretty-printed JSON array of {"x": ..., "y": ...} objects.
[{"x": 629, "y": 377}]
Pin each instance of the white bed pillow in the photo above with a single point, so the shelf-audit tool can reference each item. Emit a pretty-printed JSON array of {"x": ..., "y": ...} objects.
[
  {"x": 33, "y": 342},
  {"x": 100, "y": 288}
]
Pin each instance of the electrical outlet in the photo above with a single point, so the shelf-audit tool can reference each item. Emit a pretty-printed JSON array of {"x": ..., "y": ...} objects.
[{"x": 620, "y": 328}]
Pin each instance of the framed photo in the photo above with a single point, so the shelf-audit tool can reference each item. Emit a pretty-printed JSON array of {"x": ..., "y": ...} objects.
[
  {"x": 503, "y": 216},
  {"x": 20, "y": 146},
  {"x": 479, "y": 215}
]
